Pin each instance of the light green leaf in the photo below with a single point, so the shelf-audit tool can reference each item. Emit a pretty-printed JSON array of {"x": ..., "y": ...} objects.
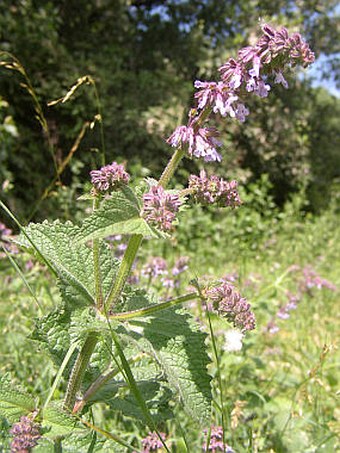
[
  {"x": 72, "y": 262},
  {"x": 59, "y": 422},
  {"x": 119, "y": 214},
  {"x": 55, "y": 242},
  {"x": 14, "y": 402}
]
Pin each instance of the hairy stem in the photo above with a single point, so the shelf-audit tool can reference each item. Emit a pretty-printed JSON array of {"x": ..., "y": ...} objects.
[
  {"x": 79, "y": 370},
  {"x": 136, "y": 239},
  {"x": 171, "y": 167},
  {"x": 154, "y": 308},
  {"x": 124, "y": 270},
  {"x": 99, "y": 383},
  {"x": 96, "y": 265}
]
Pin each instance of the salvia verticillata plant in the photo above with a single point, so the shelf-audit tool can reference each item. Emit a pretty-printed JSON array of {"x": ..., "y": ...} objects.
[{"x": 109, "y": 333}]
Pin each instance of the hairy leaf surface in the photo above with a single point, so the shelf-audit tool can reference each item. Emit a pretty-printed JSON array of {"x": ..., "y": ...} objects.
[
  {"x": 119, "y": 214},
  {"x": 178, "y": 345},
  {"x": 72, "y": 262},
  {"x": 14, "y": 402}
]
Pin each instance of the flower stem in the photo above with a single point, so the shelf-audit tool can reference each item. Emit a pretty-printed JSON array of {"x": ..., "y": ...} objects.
[
  {"x": 171, "y": 167},
  {"x": 136, "y": 239},
  {"x": 124, "y": 270},
  {"x": 79, "y": 370},
  {"x": 96, "y": 265},
  {"x": 154, "y": 308}
]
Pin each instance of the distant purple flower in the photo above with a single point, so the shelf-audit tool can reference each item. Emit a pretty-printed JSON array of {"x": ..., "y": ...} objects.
[
  {"x": 198, "y": 142},
  {"x": 4, "y": 231},
  {"x": 168, "y": 283},
  {"x": 272, "y": 327},
  {"x": 155, "y": 267},
  {"x": 180, "y": 266},
  {"x": 216, "y": 443},
  {"x": 283, "y": 313},
  {"x": 117, "y": 245},
  {"x": 109, "y": 177},
  {"x": 152, "y": 443},
  {"x": 133, "y": 279},
  {"x": 280, "y": 79},
  {"x": 312, "y": 279},
  {"x": 293, "y": 300},
  {"x": 160, "y": 208},
  {"x": 227, "y": 301},
  {"x": 209, "y": 190},
  {"x": 25, "y": 434},
  {"x": 241, "y": 112}
]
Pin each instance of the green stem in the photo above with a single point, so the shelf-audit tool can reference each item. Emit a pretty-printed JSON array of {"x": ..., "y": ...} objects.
[
  {"x": 96, "y": 265},
  {"x": 124, "y": 270},
  {"x": 154, "y": 308},
  {"x": 136, "y": 239},
  {"x": 79, "y": 370},
  {"x": 99, "y": 382},
  {"x": 171, "y": 167},
  {"x": 57, "y": 445},
  {"x": 219, "y": 377}
]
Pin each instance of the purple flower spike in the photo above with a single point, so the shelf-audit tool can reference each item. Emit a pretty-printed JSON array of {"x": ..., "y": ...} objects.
[
  {"x": 201, "y": 142},
  {"x": 227, "y": 301},
  {"x": 25, "y": 434},
  {"x": 152, "y": 442},
  {"x": 209, "y": 190},
  {"x": 160, "y": 208},
  {"x": 109, "y": 177}
]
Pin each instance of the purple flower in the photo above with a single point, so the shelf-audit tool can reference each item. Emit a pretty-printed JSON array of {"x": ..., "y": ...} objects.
[
  {"x": 216, "y": 443},
  {"x": 280, "y": 79},
  {"x": 25, "y": 434},
  {"x": 241, "y": 112},
  {"x": 283, "y": 313},
  {"x": 155, "y": 267},
  {"x": 209, "y": 190},
  {"x": 152, "y": 443},
  {"x": 227, "y": 301},
  {"x": 180, "y": 266},
  {"x": 312, "y": 279},
  {"x": 232, "y": 73},
  {"x": 272, "y": 327},
  {"x": 160, "y": 208},
  {"x": 109, "y": 177},
  {"x": 217, "y": 95},
  {"x": 257, "y": 86},
  {"x": 199, "y": 142},
  {"x": 168, "y": 283},
  {"x": 4, "y": 231}
]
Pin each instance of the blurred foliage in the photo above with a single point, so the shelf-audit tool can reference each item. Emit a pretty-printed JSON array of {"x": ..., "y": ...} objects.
[{"x": 144, "y": 56}]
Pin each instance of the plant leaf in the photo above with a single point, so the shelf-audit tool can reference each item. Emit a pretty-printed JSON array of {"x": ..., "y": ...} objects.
[
  {"x": 119, "y": 214},
  {"x": 72, "y": 262},
  {"x": 59, "y": 422},
  {"x": 178, "y": 344},
  {"x": 14, "y": 402}
]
